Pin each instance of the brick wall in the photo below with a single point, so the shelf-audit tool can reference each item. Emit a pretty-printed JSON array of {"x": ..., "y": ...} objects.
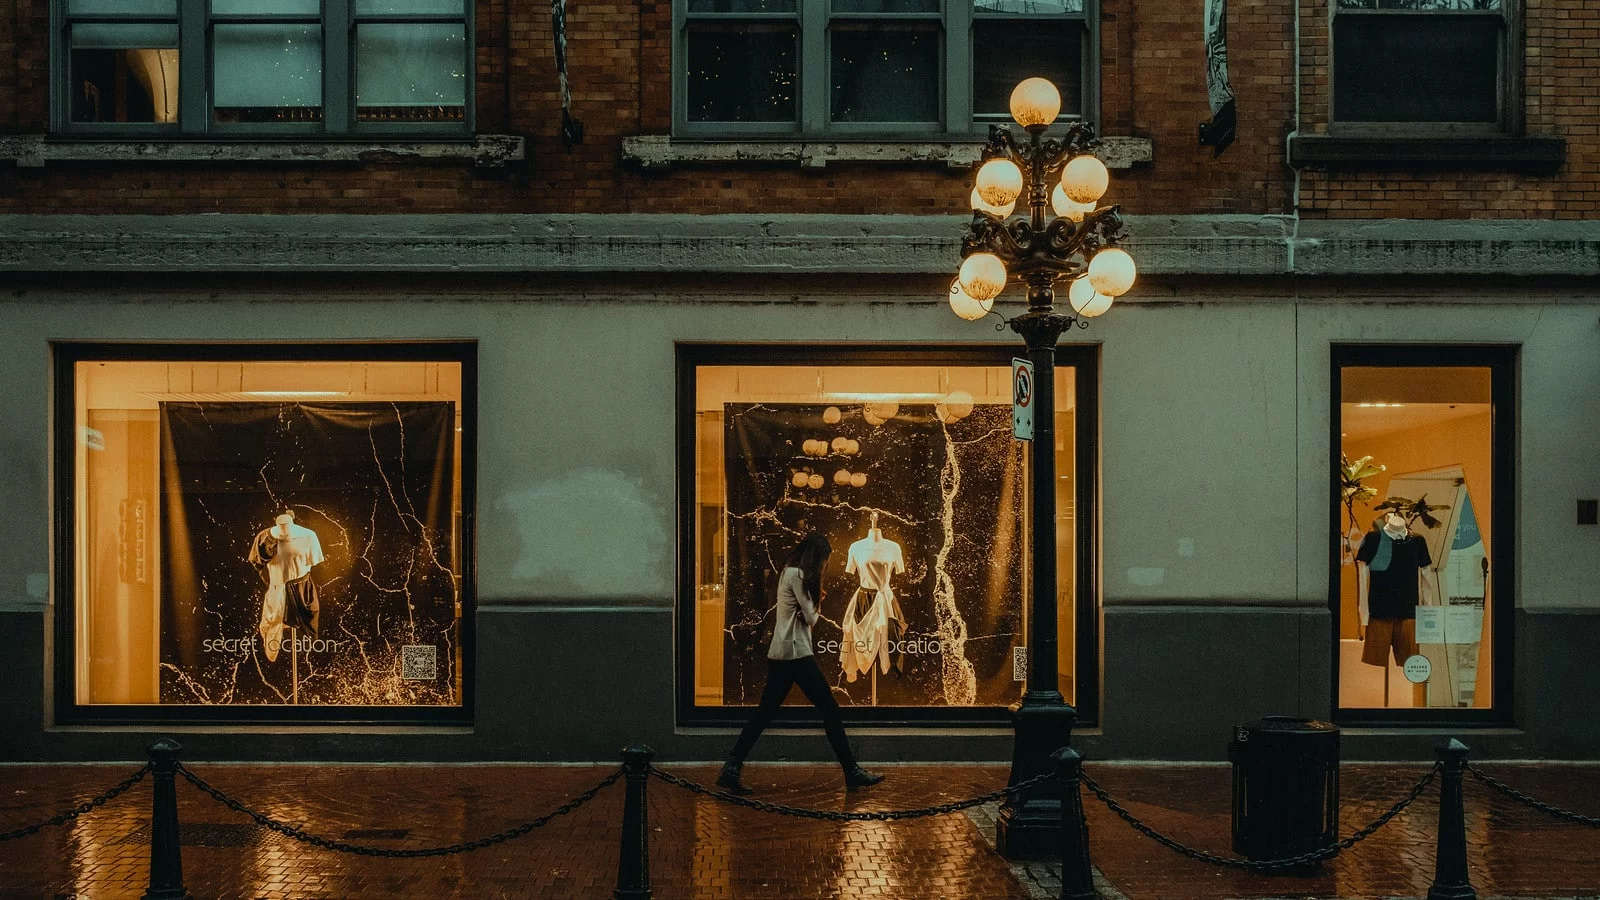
[
  {"x": 619, "y": 53},
  {"x": 1561, "y": 84}
]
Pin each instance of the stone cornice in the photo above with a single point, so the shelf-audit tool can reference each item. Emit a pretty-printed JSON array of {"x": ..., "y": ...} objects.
[{"x": 1164, "y": 245}]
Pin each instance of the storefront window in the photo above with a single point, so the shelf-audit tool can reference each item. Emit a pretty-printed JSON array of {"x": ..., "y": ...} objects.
[
  {"x": 265, "y": 527},
  {"x": 912, "y": 473},
  {"x": 1420, "y": 480}
]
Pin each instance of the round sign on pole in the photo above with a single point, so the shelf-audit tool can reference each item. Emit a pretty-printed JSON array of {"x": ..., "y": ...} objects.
[
  {"x": 1023, "y": 388},
  {"x": 1418, "y": 669}
]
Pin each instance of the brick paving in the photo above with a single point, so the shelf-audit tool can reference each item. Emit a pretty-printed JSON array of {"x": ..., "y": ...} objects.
[{"x": 702, "y": 849}]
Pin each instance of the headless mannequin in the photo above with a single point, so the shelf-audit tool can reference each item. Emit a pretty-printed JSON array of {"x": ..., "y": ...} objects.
[
  {"x": 873, "y": 619},
  {"x": 1390, "y": 629},
  {"x": 285, "y": 555}
]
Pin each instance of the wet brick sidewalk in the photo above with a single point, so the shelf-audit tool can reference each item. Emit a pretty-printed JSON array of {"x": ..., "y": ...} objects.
[{"x": 702, "y": 849}]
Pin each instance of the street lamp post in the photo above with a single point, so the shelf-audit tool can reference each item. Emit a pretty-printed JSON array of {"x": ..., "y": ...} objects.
[{"x": 1037, "y": 250}]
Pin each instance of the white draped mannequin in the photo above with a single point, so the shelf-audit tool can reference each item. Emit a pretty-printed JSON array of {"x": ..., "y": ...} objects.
[{"x": 875, "y": 560}]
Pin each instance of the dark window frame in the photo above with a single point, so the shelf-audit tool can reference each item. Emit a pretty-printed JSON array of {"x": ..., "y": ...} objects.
[
  {"x": 1085, "y": 358},
  {"x": 65, "y": 356},
  {"x": 196, "y": 116},
  {"x": 1508, "y": 90},
  {"x": 1502, "y": 360},
  {"x": 813, "y": 19}
]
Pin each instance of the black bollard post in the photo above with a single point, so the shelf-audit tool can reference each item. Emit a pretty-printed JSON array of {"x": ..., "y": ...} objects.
[
  {"x": 633, "y": 866},
  {"x": 166, "y": 862},
  {"x": 1450, "y": 880},
  {"x": 1077, "y": 873}
]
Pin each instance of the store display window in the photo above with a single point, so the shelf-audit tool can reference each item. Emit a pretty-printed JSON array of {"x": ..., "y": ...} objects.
[
  {"x": 1423, "y": 571},
  {"x": 263, "y": 531},
  {"x": 905, "y": 461}
]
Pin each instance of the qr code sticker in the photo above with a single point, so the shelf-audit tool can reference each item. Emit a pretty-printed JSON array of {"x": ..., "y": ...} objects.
[
  {"x": 419, "y": 662},
  {"x": 1019, "y": 663}
]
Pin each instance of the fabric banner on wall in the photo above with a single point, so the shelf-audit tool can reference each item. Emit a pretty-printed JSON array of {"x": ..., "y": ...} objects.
[
  {"x": 309, "y": 554},
  {"x": 1220, "y": 131},
  {"x": 948, "y": 493}
]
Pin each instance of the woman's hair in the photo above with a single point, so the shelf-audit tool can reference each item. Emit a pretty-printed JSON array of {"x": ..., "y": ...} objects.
[{"x": 812, "y": 551}]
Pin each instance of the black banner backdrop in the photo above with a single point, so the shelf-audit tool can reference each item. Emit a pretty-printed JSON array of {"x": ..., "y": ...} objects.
[
  {"x": 375, "y": 481},
  {"x": 951, "y": 495}
]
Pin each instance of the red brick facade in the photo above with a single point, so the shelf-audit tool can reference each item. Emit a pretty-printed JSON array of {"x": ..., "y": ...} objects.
[{"x": 1152, "y": 79}]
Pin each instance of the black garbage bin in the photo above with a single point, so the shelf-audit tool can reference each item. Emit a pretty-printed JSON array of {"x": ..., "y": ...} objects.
[{"x": 1285, "y": 786}]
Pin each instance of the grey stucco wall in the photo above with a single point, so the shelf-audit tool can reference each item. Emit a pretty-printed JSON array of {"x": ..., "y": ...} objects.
[{"x": 1214, "y": 422}]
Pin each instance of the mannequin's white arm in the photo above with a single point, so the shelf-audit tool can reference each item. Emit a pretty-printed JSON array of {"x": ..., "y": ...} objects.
[{"x": 1363, "y": 583}]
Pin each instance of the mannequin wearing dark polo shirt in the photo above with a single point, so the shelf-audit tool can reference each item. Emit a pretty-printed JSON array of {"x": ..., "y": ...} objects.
[{"x": 1389, "y": 579}]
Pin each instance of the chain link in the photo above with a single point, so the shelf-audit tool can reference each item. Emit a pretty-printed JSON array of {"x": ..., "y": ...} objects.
[
  {"x": 305, "y": 837},
  {"x": 1513, "y": 793},
  {"x": 1264, "y": 865},
  {"x": 120, "y": 788},
  {"x": 831, "y": 816}
]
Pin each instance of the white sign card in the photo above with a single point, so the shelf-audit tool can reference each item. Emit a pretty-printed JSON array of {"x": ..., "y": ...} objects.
[{"x": 1022, "y": 399}]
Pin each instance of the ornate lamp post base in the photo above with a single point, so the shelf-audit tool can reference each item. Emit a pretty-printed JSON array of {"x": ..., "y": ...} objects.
[{"x": 1029, "y": 824}]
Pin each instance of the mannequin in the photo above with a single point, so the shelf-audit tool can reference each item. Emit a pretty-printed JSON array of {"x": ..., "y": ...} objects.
[
  {"x": 873, "y": 619},
  {"x": 285, "y": 554},
  {"x": 1392, "y": 566}
]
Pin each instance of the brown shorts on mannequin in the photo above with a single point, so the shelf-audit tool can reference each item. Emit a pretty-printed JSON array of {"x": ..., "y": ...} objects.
[{"x": 1384, "y": 634}]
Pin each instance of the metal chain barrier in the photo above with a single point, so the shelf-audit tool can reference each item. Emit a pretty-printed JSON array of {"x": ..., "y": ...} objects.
[
  {"x": 1264, "y": 865},
  {"x": 298, "y": 834},
  {"x": 1513, "y": 793},
  {"x": 120, "y": 788},
  {"x": 831, "y": 816}
]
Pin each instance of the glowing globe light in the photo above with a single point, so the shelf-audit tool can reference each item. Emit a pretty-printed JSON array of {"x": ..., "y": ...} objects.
[
  {"x": 1000, "y": 182},
  {"x": 1112, "y": 272},
  {"x": 1085, "y": 300},
  {"x": 966, "y": 306},
  {"x": 981, "y": 205},
  {"x": 983, "y": 276},
  {"x": 1085, "y": 179},
  {"x": 1035, "y": 101},
  {"x": 1066, "y": 207}
]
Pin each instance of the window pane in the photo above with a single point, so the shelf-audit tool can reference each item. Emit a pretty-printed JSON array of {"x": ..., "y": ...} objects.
[
  {"x": 387, "y": 7},
  {"x": 411, "y": 72},
  {"x": 268, "y": 533},
  {"x": 781, "y": 450},
  {"x": 885, "y": 6},
  {"x": 275, "y": 8},
  {"x": 267, "y": 73},
  {"x": 1441, "y": 5},
  {"x": 1029, "y": 7},
  {"x": 1416, "y": 68},
  {"x": 741, "y": 6},
  {"x": 742, "y": 72},
  {"x": 1004, "y": 52},
  {"x": 885, "y": 73},
  {"x": 1416, "y": 585},
  {"x": 141, "y": 7},
  {"x": 124, "y": 73}
]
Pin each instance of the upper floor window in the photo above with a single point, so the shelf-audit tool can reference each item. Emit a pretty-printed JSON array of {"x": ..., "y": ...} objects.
[
  {"x": 192, "y": 67},
  {"x": 1421, "y": 62},
  {"x": 872, "y": 66}
]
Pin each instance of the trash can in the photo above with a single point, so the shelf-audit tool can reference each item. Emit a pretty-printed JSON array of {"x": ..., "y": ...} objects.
[{"x": 1285, "y": 786}]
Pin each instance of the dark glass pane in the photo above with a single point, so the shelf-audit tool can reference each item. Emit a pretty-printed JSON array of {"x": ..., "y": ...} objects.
[
  {"x": 412, "y": 72},
  {"x": 266, "y": 73},
  {"x": 1440, "y": 5},
  {"x": 1416, "y": 68},
  {"x": 1004, "y": 52},
  {"x": 742, "y": 72},
  {"x": 885, "y": 73},
  {"x": 885, "y": 6},
  {"x": 1029, "y": 7},
  {"x": 124, "y": 72},
  {"x": 741, "y": 6}
]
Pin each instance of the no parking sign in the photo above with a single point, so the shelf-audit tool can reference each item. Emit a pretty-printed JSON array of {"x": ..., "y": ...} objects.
[{"x": 1022, "y": 399}]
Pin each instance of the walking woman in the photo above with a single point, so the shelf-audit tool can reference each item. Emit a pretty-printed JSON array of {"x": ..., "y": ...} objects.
[{"x": 790, "y": 663}]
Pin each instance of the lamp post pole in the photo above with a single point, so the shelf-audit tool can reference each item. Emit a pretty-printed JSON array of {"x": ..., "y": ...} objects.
[{"x": 1037, "y": 250}]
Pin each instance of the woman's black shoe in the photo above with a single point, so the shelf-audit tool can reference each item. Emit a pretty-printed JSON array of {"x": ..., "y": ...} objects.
[
  {"x": 729, "y": 779},
  {"x": 860, "y": 778}
]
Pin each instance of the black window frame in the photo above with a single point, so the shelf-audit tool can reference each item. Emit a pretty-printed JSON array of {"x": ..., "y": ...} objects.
[
  {"x": 1084, "y": 358},
  {"x": 65, "y": 357},
  {"x": 1502, "y": 360},
  {"x": 814, "y": 19},
  {"x": 1508, "y": 92},
  {"x": 196, "y": 116}
]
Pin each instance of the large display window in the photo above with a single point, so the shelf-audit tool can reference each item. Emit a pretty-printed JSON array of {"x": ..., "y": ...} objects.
[
  {"x": 264, "y": 532},
  {"x": 906, "y": 462},
  {"x": 1422, "y": 575}
]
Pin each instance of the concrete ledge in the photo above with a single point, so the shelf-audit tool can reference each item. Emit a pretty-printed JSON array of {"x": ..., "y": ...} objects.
[
  {"x": 35, "y": 150},
  {"x": 796, "y": 244},
  {"x": 661, "y": 151}
]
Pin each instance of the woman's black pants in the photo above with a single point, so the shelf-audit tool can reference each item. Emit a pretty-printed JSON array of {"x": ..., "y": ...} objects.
[{"x": 783, "y": 674}]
